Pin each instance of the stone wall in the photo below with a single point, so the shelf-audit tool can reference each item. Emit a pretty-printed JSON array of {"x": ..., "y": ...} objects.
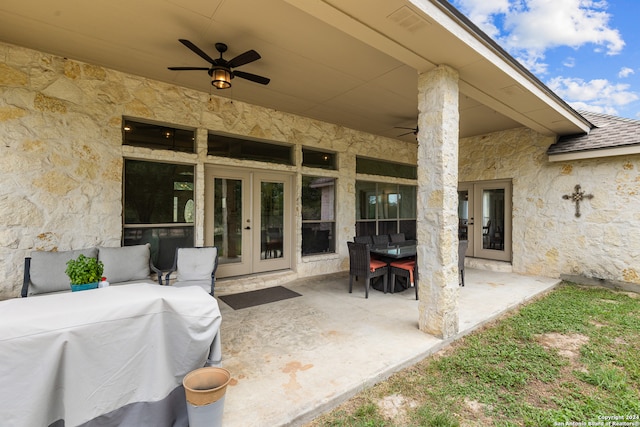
[
  {"x": 61, "y": 159},
  {"x": 62, "y": 155},
  {"x": 548, "y": 240}
]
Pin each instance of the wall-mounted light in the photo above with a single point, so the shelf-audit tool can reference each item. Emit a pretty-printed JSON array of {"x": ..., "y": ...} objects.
[{"x": 221, "y": 78}]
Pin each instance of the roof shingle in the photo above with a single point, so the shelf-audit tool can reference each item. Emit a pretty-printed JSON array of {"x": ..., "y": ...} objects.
[{"x": 608, "y": 132}]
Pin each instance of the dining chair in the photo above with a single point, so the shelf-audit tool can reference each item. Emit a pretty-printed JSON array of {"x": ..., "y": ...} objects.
[
  {"x": 397, "y": 237},
  {"x": 404, "y": 268},
  {"x": 381, "y": 239},
  {"x": 362, "y": 265},
  {"x": 462, "y": 250},
  {"x": 363, "y": 239},
  {"x": 195, "y": 267}
]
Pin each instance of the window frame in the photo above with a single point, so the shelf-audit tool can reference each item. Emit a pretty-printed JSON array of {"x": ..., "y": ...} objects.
[
  {"x": 175, "y": 233},
  {"x": 379, "y": 222},
  {"x": 331, "y": 249}
]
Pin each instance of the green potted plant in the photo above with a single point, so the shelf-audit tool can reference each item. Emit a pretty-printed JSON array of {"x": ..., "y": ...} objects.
[{"x": 84, "y": 273}]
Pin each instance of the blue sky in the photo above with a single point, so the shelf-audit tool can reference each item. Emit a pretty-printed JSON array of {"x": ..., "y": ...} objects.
[{"x": 586, "y": 51}]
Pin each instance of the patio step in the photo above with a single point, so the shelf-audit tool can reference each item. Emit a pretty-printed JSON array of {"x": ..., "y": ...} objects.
[
  {"x": 252, "y": 282},
  {"x": 488, "y": 265}
]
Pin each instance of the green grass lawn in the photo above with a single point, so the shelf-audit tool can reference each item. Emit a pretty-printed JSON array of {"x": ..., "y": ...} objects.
[{"x": 569, "y": 358}]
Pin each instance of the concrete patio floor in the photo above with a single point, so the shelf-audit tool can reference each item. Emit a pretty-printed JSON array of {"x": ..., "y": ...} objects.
[{"x": 295, "y": 359}]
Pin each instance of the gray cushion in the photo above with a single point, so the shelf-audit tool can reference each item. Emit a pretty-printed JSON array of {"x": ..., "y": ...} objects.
[
  {"x": 47, "y": 270},
  {"x": 196, "y": 263},
  {"x": 125, "y": 264},
  {"x": 204, "y": 284}
]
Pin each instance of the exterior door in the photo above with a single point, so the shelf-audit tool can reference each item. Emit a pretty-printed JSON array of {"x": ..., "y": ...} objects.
[
  {"x": 248, "y": 217},
  {"x": 465, "y": 215},
  {"x": 484, "y": 211}
]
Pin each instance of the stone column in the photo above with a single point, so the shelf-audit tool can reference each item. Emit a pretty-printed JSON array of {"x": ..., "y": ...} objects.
[{"x": 437, "y": 215}]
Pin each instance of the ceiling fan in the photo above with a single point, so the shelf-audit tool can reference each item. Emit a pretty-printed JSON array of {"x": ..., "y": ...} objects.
[
  {"x": 221, "y": 70},
  {"x": 413, "y": 130}
]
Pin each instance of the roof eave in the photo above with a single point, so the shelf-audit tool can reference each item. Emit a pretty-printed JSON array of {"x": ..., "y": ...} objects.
[
  {"x": 490, "y": 44},
  {"x": 595, "y": 154}
]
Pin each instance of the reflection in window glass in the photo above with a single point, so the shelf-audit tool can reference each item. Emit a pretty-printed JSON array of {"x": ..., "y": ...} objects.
[
  {"x": 318, "y": 215},
  {"x": 239, "y": 148},
  {"x": 385, "y": 209},
  {"x": 387, "y": 201},
  {"x": 493, "y": 213},
  {"x": 272, "y": 220},
  {"x": 227, "y": 219},
  {"x": 318, "y": 159},
  {"x": 408, "y": 200},
  {"x": 380, "y": 167},
  {"x": 156, "y": 136},
  {"x": 158, "y": 208},
  {"x": 366, "y": 199},
  {"x": 156, "y": 192}
]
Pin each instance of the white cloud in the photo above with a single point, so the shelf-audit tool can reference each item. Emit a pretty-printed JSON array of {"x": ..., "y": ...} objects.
[
  {"x": 481, "y": 13},
  {"x": 598, "y": 95},
  {"x": 530, "y": 27},
  {"x": 625, "y": 72},
  {"x": 569, "y": 62}
]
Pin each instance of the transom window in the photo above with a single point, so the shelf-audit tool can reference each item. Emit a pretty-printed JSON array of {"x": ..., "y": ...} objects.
[
  {"x": 239, "y": 148},
  {"x": 318, "y": 159},
  {"x": 381, "y": 167},
  {"x": 157, "y": 136}
]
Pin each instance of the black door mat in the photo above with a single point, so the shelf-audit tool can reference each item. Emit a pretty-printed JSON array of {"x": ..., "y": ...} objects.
[{"x": 259, "y": 297}]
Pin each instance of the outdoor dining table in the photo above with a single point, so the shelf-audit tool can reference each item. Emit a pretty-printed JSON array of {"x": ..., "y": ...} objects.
[
  {"x": 394, "y": 252},
  {"x": 112, "y": 356}
]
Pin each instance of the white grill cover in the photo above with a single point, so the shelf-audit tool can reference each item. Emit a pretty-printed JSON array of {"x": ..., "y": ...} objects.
[{"x": 67, "y": 359}]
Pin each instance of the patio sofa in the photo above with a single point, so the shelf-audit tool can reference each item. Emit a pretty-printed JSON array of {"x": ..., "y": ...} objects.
[{"x": 44, "y": 271}]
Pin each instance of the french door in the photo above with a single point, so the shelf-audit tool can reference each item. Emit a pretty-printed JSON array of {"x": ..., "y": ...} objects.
[
  {"x": 484, "y": 218},
  {"x": 248, "y": 217}
]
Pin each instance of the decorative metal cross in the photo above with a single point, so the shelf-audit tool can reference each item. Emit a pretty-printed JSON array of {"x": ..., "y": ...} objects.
[{"x": 577, "y": 197}]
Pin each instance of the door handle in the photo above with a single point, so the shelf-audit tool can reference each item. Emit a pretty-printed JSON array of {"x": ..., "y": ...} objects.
[{"x": 247, "y": 228}]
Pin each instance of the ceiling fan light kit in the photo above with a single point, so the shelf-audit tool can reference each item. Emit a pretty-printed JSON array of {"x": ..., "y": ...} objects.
[
  {"x": 221, "y": 70},
  {"x": 221, "y": 78}
]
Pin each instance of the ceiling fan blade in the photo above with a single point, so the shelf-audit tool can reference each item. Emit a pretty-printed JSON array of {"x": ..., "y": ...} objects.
[
  {"x": 244, "y": 58},
  {"x": 252, "y": 77},
  {"x": 188, "y": 68},
  {"x": 408, "y": 133},
  {"x": 197, "y": 51},
  {"x": 400, "y": 127}
]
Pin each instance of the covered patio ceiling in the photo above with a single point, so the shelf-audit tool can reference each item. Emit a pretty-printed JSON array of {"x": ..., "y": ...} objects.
[{"x": 350, "y": 62}]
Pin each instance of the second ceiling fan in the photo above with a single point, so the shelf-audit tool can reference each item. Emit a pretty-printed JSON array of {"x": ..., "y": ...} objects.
[{"x": 221, "y": 70}]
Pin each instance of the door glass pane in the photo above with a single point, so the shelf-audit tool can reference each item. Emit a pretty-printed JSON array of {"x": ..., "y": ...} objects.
[
  {"x": 271, "y": 219},
  {"x": 227, "y": 234},
  {"x": 493, "y": 215},
  {"x": 463, "y": 214}
]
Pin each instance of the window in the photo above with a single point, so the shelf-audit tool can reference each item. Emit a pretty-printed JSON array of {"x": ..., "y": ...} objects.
[
  {"x": 385, "y": 209},
  {"x": 161, "y": 137},
  {"x": 238, "y": 148},
  {"x": 379, "y": 167},
  {"x": 158, "y": 208},
  {"x": 318, "y": 215},
  {"x": 318, "y": 159}
]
